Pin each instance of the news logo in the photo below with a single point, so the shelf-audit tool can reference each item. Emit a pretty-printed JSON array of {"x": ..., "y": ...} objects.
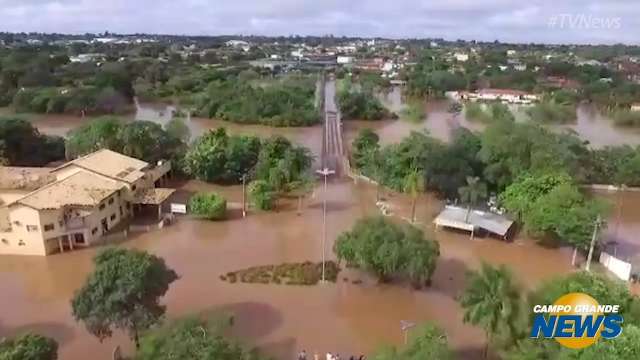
[{"x": 576, "y": 321}]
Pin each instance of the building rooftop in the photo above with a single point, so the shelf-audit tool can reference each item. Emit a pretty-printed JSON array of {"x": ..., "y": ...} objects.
[
  {"x": 154, "y": 196},
  {"x": 80, "y": 189},
  {"x": 111, "y": 164},
  {"x": 454, "y": 217},
  {"x": 24, "y": 178}
]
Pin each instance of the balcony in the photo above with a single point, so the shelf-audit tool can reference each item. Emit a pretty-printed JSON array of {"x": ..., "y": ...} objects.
[{"x": 75, "y": 223}]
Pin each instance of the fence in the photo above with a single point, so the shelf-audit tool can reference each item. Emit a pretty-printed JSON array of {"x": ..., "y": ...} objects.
[{"x": 621, "y": 269}]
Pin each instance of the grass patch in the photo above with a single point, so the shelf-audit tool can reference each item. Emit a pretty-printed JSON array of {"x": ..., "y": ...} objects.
[{"x": 306, "y": 273}]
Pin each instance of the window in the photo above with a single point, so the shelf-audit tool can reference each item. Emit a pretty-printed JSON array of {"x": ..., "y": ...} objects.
[
  {"x": 5, "y": 241},
  {"x": 113, "y": 217},
  {"x": 60, "y": 223},
  {"x": 94, "y": 231},
  {"x": 110, "y": 201},
  {"x": 121, "y": 211},
  {"x": 133, "y": 188},
  {"x": 21, "y": 243},
  {"x": 101, "y": 206},
  {"x": 48, "y": 227},
  {"x": 32, "y": 228}
]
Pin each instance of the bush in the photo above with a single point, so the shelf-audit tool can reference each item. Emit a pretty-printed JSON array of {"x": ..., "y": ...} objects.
[
  {"x": 387, "y": 249},
  {"x": 262, "y": 195},
  {"x": 360, "y": 105},
  {"x": 210, "y": 206},
  {"x": 552, "y": 112}
]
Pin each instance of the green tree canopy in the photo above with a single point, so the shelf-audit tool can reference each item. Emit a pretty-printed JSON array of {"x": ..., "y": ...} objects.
[
  {"x": 28, "y": 347},
  {"x": 210, "y": 206},
  {"x": 386, "y": 249},
  {"x": 191, "y": 339},
  {"x": 23, "y": 145},
  {"x": 491, "y": 300},
  {"x": 123, "y": 292},
  {"x": 426, "y": 342}
]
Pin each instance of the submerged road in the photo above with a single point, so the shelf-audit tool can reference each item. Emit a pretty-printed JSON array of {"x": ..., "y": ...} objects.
[{"x": 333, "y": 155}]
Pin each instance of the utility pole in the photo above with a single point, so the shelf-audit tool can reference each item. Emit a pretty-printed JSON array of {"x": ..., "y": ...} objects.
[
  {"x": 244, "y": 196},
  {"x": 596, "y": 226},
  {"x": 324, "y": 172}
]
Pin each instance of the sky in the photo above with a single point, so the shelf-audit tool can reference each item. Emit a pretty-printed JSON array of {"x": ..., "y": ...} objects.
[{"x": 540, "y": 21}]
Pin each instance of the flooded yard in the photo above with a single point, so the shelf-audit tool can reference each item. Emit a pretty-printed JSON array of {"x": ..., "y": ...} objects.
[{"x": 342, "y": 317}]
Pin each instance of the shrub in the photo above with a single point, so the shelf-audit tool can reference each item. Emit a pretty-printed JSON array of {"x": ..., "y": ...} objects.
[
  {"x": 262, "y": 195},
  {"x": 210, "y": 206}
]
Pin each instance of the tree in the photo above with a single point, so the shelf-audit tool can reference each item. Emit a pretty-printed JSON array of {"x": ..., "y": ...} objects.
[
  {"x": 23, "y": 145},
  {"x": 262, "y": 195},
  {"x": 28, "y": 347},
  {"x": 600, "y": 287},
  {"x": 366, "y": 142},
  {"x": 519, "y": 197},
  {"x": 101, "y": 133},
  {"x": 386, "y": 248},
  {"x": 626, "y": 346},
  {"x": 414, "y": 185},
  {"x": 216, "y": 157},
  {"x": 177, "y": 129},
  {"x": 564, "y": 215},
  {"x": 472, "y": 193},
  {"x": 426, "y": 342},
  {"x": 148, "y": 141},
  {"x": 491, "y": 300},
  {"x": 123, "y": 292},
  {"x": 210, "y": 206},
  {"x": 192, "y": 339}
]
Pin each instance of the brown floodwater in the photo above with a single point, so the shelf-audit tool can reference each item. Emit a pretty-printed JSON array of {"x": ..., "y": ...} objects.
[
  {"x": 61, "y": 125},
  {"x": 623, "y": 225},
  {"x": 590, "y": 124},
  {"x": 281, "y": 320}
]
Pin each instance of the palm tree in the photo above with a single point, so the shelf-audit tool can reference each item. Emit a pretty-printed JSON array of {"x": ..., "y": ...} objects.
[
  {"x": 491, "y": 300},
  {"x": 413, "y": 185},
  {"x": 472, "y": 193}
]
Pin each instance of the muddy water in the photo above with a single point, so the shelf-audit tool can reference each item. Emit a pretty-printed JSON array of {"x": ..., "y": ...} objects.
[
  {"x": 590, "y": 124},
  {"x": 310, "y": 137},
  {"x": 342, "y": 317},
  {"x": 623, "y": 225}
]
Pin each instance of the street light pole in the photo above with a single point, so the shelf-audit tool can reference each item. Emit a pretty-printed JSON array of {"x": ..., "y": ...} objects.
[
  {"x": 324, "y": 172},
  {"x": 596, "y": 227},
  {"x": 244, "y": 201}
]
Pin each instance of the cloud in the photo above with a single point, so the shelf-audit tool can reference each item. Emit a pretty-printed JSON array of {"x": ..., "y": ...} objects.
[{"x": 488, "y": 20}]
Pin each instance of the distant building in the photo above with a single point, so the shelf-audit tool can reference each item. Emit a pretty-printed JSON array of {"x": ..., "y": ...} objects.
[
  {"x": 462, "y": 57},
  {"x": 511, "y": 52},
  {"x": 83, "y": 58},
  {"x": 49, "y": 210},
  {"x": 105, "y": 40},
  {"x": 520, "y": 67},
  {"x": 509, "y": 96},
  {"x": 344, "y": 60},
  {"x": 635, "y": 107}
]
